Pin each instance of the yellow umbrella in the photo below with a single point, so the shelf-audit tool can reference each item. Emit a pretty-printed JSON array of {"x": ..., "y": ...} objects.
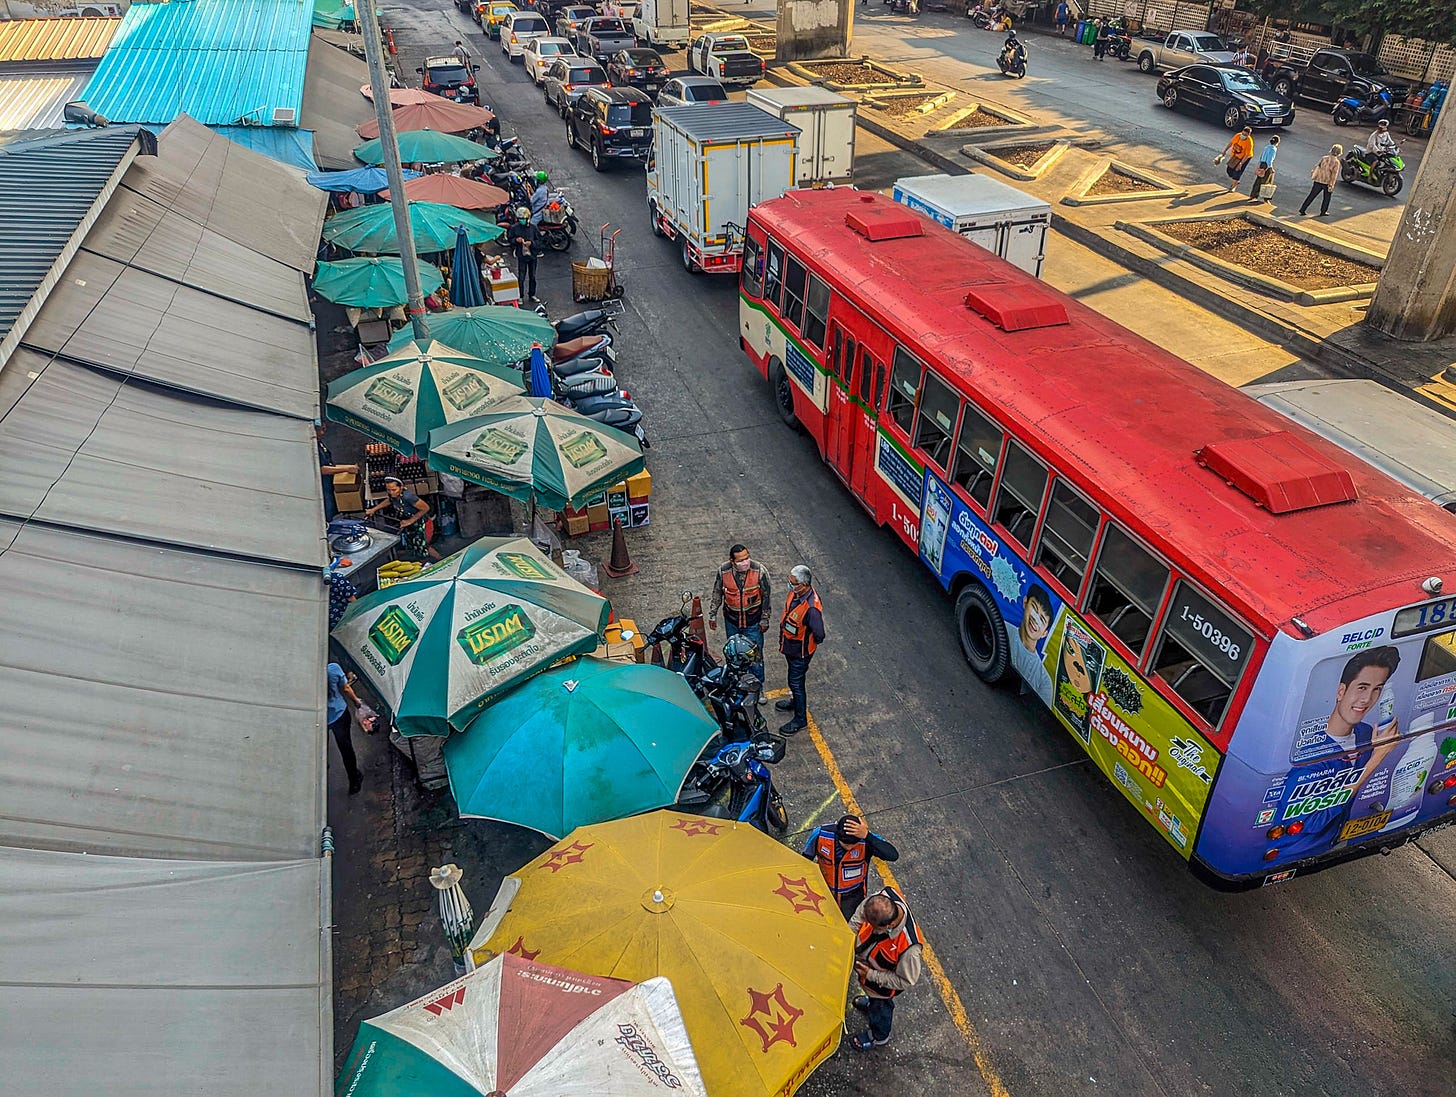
[{"x": 755, "y": 947}]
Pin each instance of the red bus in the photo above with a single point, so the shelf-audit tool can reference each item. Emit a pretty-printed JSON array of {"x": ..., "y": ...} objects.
[{"x": 1242, "y": 624}]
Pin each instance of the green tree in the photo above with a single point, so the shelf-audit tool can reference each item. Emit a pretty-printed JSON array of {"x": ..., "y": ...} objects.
[{"x": 1431, "y": 20}]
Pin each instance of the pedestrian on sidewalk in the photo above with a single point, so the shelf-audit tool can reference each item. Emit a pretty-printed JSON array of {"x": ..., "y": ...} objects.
[
  {"x": 887, "y": 961},
  {"x": 1322, "y": 180},
  {"x": 1101, "y": 42},
  {"x": 1264, "y": 172},
  {"x": 340, "y": 720},
  {"x": 1063, "y": 17},
  {"x": 1238, "y": 152},
  {"x": 741, "y": 590},
  {"x": 843, "y": 852},
  {"x": 524, "y": 239},
  {"x": 801, "y": 631}
]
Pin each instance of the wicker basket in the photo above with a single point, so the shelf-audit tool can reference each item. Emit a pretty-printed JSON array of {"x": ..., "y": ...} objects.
[{"x": 589, "y": 283}]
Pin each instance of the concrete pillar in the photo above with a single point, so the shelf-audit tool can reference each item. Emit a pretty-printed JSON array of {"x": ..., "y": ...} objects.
[
  {"x": 1416, "y": 295},
  {"x": 814, "y": 28}
]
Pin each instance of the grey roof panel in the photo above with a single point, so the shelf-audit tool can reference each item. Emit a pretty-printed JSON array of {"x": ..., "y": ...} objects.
[
  {"x": 332, "y": 105},
  {"x": 708, "y": 122}
]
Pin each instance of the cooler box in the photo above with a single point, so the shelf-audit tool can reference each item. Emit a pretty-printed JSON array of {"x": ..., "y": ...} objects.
[{"x": 503, "y": 286}]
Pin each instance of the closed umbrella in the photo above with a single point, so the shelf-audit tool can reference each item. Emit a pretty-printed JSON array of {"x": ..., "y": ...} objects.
[
  {"x": 539, "y": 382},
  {"x": 435, "y": 113},
  {"x": 442, "y": 644},
  {"x": 581, "y": 743},
  {"x": 400, "y": 398},
  {"x": 369, "y": 283},
  {"x": 450, "y": 190},
  {"x": 371, "y": 228},
  {"x": 427, "y": 147},
  {"x": 494, "y": 333},
  {"x": 354, "y": 180},
  {"x": 465, "y": 288},
  {"x": 536, "y": 450}
]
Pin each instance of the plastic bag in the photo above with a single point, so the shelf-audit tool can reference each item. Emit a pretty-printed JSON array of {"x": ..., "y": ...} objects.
[
  {"x": 452, "y": 486},
  {"x": 579, "y": 568},
  {"x": 368, "y": 718}
]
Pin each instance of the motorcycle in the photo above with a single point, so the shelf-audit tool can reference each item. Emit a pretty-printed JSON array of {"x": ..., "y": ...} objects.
[
  {"x": 736, "y": 783},
  {"x": 558, "y": 222},
  {"x": 979, "y": 17},
  {"x": 1012, "y": 60},
  {"x": 614, "y": 409},
  {"x": 588, "y": 322},
  {"x": 596, "y": 382},
  {"x": 1380, "y": 170},
  {"x": 1351, "y": 108},
  {"x": 565, "y": 356},
  {"x": 687, "y": 654},
  {"x": 1119, "y": 42}
]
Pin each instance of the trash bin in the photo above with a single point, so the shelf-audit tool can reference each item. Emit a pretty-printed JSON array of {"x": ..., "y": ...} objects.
[
  {"x": 1081, "y": 29},
  {"x": 1089, "y": 35}
]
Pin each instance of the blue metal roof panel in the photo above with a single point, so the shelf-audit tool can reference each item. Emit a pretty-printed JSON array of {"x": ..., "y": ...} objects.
[{"x": 224, "y": 62}]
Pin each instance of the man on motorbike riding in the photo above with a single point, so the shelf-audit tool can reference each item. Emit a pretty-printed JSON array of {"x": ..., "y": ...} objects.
[
  {"x": 540, "y": 197},
  {"x": 1012, "y": 51},
  {"x": 1381, "y": 143}
]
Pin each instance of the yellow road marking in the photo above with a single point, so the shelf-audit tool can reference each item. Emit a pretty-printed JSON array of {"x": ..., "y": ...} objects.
[{"x": 948, "y": 995}]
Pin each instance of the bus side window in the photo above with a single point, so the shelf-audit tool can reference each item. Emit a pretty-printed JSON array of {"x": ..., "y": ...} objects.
[
  {"x": 977, "y": 451},
  {"x": 773, "y": 276},
  {"x": 1067, "y": 536},
  {"x": 752, "y": 279},
  {"x": 1200, "y": 652},
  {"x": 866, "y": 379},
  {"x": 845, "y": 362},
  {"x": 816, "y": 313},
  {"x": 1018, "y": 500},
  {"x": 935, "y": 424},
  {"x": 1127, "y": 589},
  {"x": 794, "y": 277},
  {"x": 904, "y": 389}
]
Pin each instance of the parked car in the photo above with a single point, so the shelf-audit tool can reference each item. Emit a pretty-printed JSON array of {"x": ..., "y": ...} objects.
[
  {"x": 643, "y": 69},
  {"x": 467, "y": 6},
  {"x": 518, "y": 29},
  {"x": 449, "y": 79},
  {"x": 1184, "y": 47},
  {"x": 570, "y": 18},
  {"x": 611, "y": 124},
  {"x": 540, "y": 52},
  {"x": 491, "y": 15},
  {"x": 727, "y": 57},
  {"x": 681, "y": 91},
  {"x": 568, "y": 77},
  {"x": 1231, "y": 93},
  {"x": 1327, "y": 75},
  {"x": 604, "y": 35}
]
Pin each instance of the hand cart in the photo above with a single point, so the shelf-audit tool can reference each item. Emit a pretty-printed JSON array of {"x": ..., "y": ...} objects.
[{"x": 596, "y": 279}]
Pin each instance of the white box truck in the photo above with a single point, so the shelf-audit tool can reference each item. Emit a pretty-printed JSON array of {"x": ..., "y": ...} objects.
[
  {"x": 826, "y": 125},
  {"x": 662, "y": 23},
  {"x": 985, "y": 211},
  {"x": 711, "y": 163}
]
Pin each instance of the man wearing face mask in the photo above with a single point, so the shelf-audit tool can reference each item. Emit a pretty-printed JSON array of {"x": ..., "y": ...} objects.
[
  {"x": 741, "y": 589},
  {"x": 800, "y": 631}
]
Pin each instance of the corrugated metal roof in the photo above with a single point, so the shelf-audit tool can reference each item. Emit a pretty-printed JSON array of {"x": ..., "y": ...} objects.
[
  {"x": 37, "y": 100},
  {"x": 55, "y": 39},
  {"x": 725, "y": 121},
  {"x": 223, "y": 62}
]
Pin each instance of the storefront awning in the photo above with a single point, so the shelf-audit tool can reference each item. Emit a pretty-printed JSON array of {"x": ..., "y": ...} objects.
[{"x": 332, "y": 105}]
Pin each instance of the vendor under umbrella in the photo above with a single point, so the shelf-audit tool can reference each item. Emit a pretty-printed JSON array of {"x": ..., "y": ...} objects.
[{"x": 410, "y": 511}]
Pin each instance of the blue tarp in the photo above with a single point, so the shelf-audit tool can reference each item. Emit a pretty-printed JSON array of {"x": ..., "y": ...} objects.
[
  {"x": 288, "y": 146},
  {"x": 355, "y": 180}
]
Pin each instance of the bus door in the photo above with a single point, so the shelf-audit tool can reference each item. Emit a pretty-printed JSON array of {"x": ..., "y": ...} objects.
[
  {"x": 869, "y": 384},
  {"x": 840, "y": 416}
]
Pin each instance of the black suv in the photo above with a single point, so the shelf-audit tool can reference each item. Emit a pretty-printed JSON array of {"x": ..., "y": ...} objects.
[
  {"x": 449, "y": 79},
  {"x": 611, "y": 124}
]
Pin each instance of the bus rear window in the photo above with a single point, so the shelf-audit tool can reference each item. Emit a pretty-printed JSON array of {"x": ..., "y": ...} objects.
[
  {"x": 1127, "y": 588},
  {"x": 935, "y": 426},
  {"x": 752, "y": 278},
  {"x": 1200, "y": 652},
  {"x": 1438, "y": 657},
  {"x": 976, "y": 455},
  {"x": 1023, "y": 483},
  {"x": 904, "y": 388}
]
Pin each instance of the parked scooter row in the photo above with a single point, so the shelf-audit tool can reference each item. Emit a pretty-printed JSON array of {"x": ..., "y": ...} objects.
[{"x": 583, "y": 375}]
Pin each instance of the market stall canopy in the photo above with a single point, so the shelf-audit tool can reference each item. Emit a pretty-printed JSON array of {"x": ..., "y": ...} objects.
[
  {"x": 529, "y": 1029},
  {"x": 371, "y": 282},
  {"x": 744, "y": 927},
  {"x": 400, "y": 398},
  {"x": 498, "y": 334},
  {"x": 399, "y": 96},
  {"x": 442, "y": 644},
  {"x": 451, "y": 190},
  {"x": 354, "y": 180},
  {"x": 371, "y": 228},
  {"x": 427, "y": 147},
  {"x": 532, "y": 448},
  {"x": 437, "y": 114},
  {"x": 584, "y": 742}
]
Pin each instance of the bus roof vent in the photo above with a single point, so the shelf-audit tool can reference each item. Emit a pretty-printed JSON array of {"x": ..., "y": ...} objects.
[
  {"x": 883, "y": 221},
  {"x": 1016, "y": 308},
  {"x": 1279, "y": 472}
]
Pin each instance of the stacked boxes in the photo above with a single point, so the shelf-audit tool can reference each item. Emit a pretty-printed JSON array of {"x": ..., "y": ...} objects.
[
  {"x": 348, "y": 493},
  {"x": 629, "y": 500}
]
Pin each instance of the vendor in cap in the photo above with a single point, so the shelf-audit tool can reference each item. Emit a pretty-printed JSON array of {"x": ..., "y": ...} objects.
[
  {"x": 410, "y": 511},
  {"x": 843, "y": 852}
]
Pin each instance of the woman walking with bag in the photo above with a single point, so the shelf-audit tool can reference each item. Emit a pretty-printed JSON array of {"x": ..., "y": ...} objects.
[
  {"x": 1264, "y": 172},
  {"x": 1323, "y": 180},
  {"x": 1238, "y": 152}
]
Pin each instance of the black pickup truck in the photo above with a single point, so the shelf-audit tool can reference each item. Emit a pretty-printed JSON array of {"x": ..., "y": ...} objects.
[{"x": 1328, "y": 75}]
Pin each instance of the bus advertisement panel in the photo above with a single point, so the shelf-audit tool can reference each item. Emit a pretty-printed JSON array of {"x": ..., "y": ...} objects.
[
  {"x": 1366, "y": 750},
  {"x": 1151, "y": 753}
]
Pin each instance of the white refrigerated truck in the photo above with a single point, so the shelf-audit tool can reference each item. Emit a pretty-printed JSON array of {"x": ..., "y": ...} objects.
[
  {"x": 985, "y": 211},
  {"x": 662, "y": 23},
  {"x": 826, "y": 124},
  {"x": 711, "y": 163}
]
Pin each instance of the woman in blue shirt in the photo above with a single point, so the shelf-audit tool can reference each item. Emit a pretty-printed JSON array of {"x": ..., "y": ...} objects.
[{"x": 1264, "y": 172}]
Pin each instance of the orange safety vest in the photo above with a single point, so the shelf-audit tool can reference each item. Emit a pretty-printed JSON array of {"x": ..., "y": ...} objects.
[
  {"x": 745, "y": 602},
  {"x": 884, "y": 954},
  {"x": 843, "y": 867},
  {"x": 792, "y": 625}
]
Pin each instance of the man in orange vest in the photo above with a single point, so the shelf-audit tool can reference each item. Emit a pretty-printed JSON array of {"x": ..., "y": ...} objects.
[
  {"x": 742, "y": 590},
  {"x": 887, "y": 961},
  {"x": 843, "y": 852},
  {"x": 801, "y": 630}
]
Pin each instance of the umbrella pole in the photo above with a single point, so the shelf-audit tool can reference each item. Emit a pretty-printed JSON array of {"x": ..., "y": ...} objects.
[{"x": 389, "y": 145}]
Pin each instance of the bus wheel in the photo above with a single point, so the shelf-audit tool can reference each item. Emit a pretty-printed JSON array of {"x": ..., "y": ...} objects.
[
  {"x": 783, "y": 390},
  {"x": 983, "y": 634}
]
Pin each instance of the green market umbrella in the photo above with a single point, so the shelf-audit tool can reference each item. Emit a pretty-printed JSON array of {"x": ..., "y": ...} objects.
[
  {"x": 492, "y": 333},
  {"x": 371, "y": 282},
  {"x": 442, "y": 644},
  {"x": 371, "y": 228},
  {"x": 535, "y": 450},
  {"x": 581, "y": 743},
  {"x": 427, "y": 147},
  {"x": 400, "y": 398}
]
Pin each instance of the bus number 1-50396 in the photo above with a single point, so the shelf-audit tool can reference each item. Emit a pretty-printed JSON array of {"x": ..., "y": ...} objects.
[{"x": 1211, "y": 632}]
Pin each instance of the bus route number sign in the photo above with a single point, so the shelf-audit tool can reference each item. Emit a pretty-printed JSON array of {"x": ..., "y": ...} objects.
[{"x": 1426, "y": 618}]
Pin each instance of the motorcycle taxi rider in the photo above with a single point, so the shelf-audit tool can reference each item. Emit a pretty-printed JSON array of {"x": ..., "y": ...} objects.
[
  {"x": 1013, "y": 51},
  {"x": 1381, "y": 143}
]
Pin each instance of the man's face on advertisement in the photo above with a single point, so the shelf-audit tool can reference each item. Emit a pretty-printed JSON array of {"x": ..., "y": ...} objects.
[
  {"x": 1035, "y": 621},
  {"x": 1353, "y": 701}
]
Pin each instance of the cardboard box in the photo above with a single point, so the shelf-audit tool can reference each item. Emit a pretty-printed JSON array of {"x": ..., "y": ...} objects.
[
  {"x": 597, "y": 517},
  {"x": 577, "y": 524},
  {"x": 619, "y": 514},
  {"x": 617, "y": 497},
  {"x": 348, "y": 492},
  {"x": 641, "y": 514},
  {"x": 620, "y": 652},
  {"x": 639, "y": 487},
  {"x": 600, "y": 497}
]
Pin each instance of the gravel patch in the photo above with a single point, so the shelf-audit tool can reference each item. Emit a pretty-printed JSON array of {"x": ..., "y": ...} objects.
[
  {"x": 763, "y": 43},
  {"x": 848, "y": 72},
  {"x": 1023, "y": 156},
  {"x": 980, "y": 119},
  {"x": 902, "y": 106},
  {"x": 1113, "y": 181},
  {"x": 1270, "y": 252}
]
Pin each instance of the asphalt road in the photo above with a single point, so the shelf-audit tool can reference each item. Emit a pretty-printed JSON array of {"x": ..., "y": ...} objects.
[{"x": 1087, "y": 959}]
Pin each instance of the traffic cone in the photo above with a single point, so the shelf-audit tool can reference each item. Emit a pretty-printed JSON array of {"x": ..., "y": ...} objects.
[
  {"x": 620, "y": 564},
  {"x": 697, "y": 622}
]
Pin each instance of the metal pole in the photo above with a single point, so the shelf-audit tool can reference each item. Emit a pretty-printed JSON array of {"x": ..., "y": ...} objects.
[{"x": 384, "y": 112}]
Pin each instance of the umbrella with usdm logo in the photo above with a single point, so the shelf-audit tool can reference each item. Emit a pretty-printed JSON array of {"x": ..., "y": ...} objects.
[
  {"x": 442, "y": 644},
  {"x": 527, "y": 1029},
  {"x": 743, "y": 927}
]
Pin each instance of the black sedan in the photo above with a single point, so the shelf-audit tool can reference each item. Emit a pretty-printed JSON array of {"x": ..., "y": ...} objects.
[
  {"x": 1235, "y": 95},
  {"x": 643, "y": 69}
]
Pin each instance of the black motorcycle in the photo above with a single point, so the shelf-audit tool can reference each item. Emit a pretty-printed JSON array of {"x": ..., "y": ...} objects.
[
  {"x": 1012, "y": 60},
  {"x": 687, "y": 654}
]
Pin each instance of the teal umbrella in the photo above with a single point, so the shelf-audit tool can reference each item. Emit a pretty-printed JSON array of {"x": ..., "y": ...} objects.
[
  {"x": 371, "y": 228},
  {"x": 581, "y": 743},
  {"x": 492, "y": 333},
  {"x": 370, "y": 282},
  {"x": 427, "y": 147}
]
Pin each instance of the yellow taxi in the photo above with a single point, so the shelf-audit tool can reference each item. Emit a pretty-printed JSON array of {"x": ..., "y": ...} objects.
[{"x": 492, "y": 14}]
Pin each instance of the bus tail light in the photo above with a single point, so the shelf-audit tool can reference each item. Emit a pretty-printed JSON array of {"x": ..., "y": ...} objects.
[
  {"x": 1270, "y": 854},
  {"x": 1442, "y": 783},
  {"x": 1275, "y": 833},
  {"x": 1295, "y": 828}
]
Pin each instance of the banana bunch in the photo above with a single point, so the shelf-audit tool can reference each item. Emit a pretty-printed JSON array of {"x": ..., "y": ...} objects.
[{"x": 400, "y": 569}]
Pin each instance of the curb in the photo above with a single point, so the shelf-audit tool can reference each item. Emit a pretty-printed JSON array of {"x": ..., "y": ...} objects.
[{"x": 1158, "y": 188}]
